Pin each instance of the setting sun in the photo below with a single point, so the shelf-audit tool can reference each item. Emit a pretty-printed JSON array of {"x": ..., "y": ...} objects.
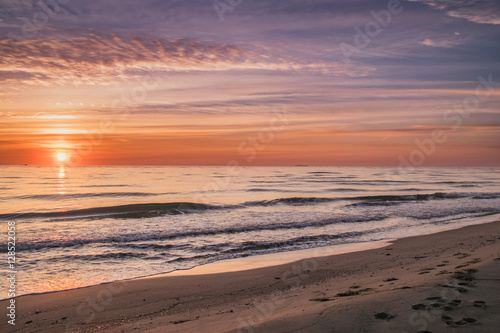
[{"x": 61, "y": 157}]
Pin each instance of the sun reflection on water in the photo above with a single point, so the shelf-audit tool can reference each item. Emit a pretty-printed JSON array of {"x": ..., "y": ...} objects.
[{"x": 62, "y": 176}]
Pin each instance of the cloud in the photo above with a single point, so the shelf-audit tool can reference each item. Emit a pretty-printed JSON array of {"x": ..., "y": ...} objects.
[
  {"x": 14, "y": 75},
  {"x": 98, "y": 58},
  {"x": 478, "y": 16},
  {"x": 95, "y": 56},
  {"x": 478, "y": 11},
  {"x": 441, "y": 43}
]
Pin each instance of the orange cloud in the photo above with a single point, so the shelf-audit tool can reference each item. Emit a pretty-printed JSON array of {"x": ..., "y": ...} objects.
[{"x": 97, "y": 59}]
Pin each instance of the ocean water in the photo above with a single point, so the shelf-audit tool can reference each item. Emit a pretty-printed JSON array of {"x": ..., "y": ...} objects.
[{"x": 79, "y": 226}]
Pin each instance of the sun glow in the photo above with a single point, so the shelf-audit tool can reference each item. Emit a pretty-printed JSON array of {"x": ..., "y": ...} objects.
[{"x": 62, "y": 157}]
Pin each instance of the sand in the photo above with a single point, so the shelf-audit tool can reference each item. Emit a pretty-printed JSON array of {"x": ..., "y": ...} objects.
[{"x": 443, "y": 282}]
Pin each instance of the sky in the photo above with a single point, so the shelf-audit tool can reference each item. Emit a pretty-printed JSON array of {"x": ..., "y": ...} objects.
[{"x": 250, "y": 82}]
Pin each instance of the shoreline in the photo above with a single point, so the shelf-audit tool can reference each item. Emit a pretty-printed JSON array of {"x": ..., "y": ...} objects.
[
  {"x": 274, "y": 259},
  {"x": 173, "y": 300},
  {"x": 286, "y": 257},
  {"x": 279, "y": 258},
  {"x": 244, "y": 263}
]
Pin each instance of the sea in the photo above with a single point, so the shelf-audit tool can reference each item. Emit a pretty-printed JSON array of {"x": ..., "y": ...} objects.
[{"x": 86, "y": 225}]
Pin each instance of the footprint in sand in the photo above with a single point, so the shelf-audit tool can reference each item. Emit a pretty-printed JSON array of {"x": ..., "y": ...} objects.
[
  {"x": 466, "y": 284},
  {"x": 353, "y": 292},
  {"x": 345, "y": 294},
  {"x": 464, "y": 321},
  {"x": 323, "y": 299},
  {"x": 443, "y": 272},
  {"x": 479, "y": 304},
  {"x": 470, "y": 262},
  {"x": 466, "y": 277},
  {"x": 391, "y": 279},
  {"x": 461, "y": 255},
  {"x": 436, "y": 302},
  {"x": 447, "y": 320},
  {"x": 435, "y": 305},
  {"x": 461, "y": 290},
  {"x": 348, "y": 293},
  {"x": 426, "y": 270},
  {"x": 453, "y": 305},
  {"x": 384, "y": 315},
  {"x": 419, "y": 306}
]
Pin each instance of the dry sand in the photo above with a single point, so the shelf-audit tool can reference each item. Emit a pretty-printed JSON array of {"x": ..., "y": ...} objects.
[{"x": 444, "y": 282}]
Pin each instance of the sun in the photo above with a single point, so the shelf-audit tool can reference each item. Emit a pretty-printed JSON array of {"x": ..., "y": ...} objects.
[{"x": 62, "y": 157}]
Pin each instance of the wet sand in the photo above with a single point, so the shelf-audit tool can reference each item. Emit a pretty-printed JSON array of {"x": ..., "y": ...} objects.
[{"x": 444, "y": 282}]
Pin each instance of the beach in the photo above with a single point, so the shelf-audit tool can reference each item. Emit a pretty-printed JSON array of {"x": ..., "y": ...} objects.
[
  {"x": 428, "y": 283},
  {"x": 249, "y": 166}
]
